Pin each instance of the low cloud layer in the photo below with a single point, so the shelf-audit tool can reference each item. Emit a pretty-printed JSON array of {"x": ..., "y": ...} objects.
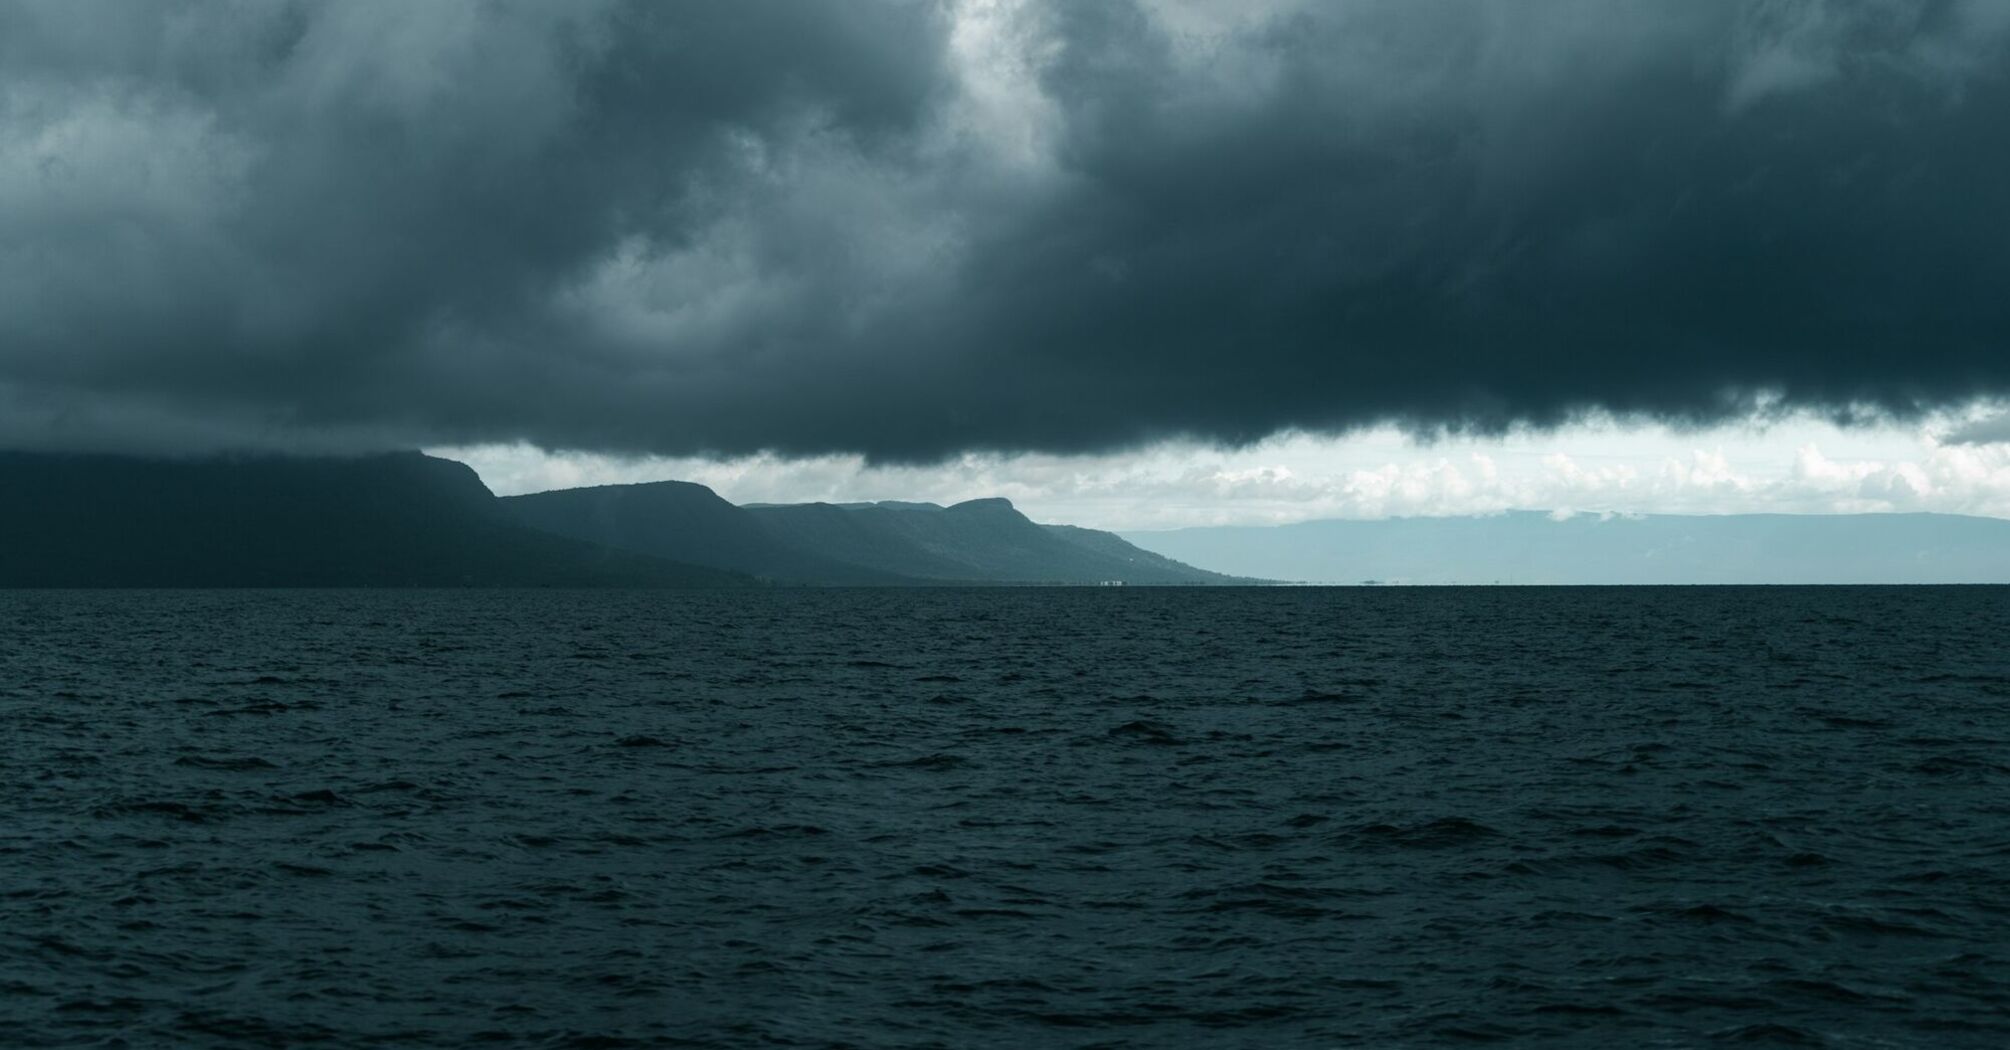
[
  {"x": 905, "y": 228},
  {"x": 1805, "y": 467}
]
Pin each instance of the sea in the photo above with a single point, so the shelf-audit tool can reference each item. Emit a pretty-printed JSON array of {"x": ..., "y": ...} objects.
[{"x": 1043, "y": 817}]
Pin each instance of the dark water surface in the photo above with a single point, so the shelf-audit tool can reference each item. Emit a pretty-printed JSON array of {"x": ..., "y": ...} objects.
[{"x": 1070, "y": 818}]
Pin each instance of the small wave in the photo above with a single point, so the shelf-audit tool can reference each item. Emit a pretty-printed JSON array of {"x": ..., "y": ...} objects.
[
  {"x": 1643, "y": 858},
  {"x": 1708, "y": 914},
  {"x": 1830, "y": 991},
  {"x": 1871, "y": 925},
  {"x": 795, "y": 830},
  {"x": 253, "y": 1031},
  {"x": 244, "y": 764},
  {"x": 1442, "y": 833},
  {"x": 1278, "y": 901},
  {"x": 1964, "y": 766},
  {"x": 1142, "y": 731},
  {"x": 155, "y": 807},
  {"x": 388, "y": 785},
  {"x": 1605, "y": 831},
  {"x": 933, "y": 763},
  {"x": 1314, "y": 696},
  {"x": 264, "y": 707},
  {"x": 1579, "y": 1009},
  {"x": 1769, "y": 1032},
  {"x": 116, "y": 1005}
]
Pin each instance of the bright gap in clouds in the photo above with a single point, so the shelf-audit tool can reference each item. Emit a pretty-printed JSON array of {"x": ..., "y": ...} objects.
[{"x": 1801, "y": 467}]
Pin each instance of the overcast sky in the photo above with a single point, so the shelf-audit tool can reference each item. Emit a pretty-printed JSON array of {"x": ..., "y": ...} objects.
[{"x": 1043, "y": 245}]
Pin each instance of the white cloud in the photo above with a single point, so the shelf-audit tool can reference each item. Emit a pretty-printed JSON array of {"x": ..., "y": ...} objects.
[{"x": 1797, "y": 467}]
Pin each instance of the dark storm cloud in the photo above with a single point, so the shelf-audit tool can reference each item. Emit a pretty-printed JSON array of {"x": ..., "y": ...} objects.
[{"x": 888, "y": 227}]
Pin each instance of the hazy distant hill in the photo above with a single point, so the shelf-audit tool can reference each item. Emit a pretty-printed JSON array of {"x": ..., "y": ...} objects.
[
  {"x": 385, "y": 520},
  {"x": 1531, "y": 547},
  {"x": 982, "y": 541}
]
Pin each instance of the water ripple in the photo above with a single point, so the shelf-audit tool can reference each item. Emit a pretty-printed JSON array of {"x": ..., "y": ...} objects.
[{"x": 939, "y": 818}]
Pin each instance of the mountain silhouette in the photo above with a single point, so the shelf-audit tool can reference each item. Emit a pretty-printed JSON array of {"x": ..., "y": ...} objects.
[
  {"x": 981, "y": 541},
  {"x": 686, "y": 522},
  {"x": 401, "y": 519}
]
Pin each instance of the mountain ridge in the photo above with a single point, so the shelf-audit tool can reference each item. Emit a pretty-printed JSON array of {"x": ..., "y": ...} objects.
[
  {"x": 406, "y": 519},
  {"x": 889, "y": 542},
  {"x": 387, "y": 519},
  {"x": 683, "y": 521}
]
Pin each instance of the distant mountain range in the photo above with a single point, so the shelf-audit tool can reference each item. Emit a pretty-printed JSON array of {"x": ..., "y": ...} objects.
[
  {"x": 413, "y": 520},
  {"x": 981, "y": 541},
  {"x": 1527, "y": 547},
  {"x": 409, "y": 519}
]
